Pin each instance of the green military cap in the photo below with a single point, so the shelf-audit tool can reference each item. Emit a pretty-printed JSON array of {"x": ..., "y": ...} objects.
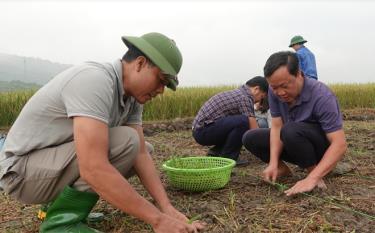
[
  {"x": 297, "y": 40},
  {"x": 162, "y": 51}
]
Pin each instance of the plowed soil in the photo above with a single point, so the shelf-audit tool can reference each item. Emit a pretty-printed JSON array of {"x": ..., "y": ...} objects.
[{"x": 246, "y": 203}]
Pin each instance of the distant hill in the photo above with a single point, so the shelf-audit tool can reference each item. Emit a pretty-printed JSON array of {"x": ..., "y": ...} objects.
[
  {"x": 28, "y": 70},
  {"x": 17, "y": 86}
]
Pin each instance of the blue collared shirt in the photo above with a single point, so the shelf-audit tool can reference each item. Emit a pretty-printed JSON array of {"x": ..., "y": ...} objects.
[
  {"x": 307, "y": 62},
  {"x": 315, "y": 104}
]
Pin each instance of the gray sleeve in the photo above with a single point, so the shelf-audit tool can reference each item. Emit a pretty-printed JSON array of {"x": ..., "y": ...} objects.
[
  {"x": 89, "y": 93},
  {"x": 135, "y": 116}
]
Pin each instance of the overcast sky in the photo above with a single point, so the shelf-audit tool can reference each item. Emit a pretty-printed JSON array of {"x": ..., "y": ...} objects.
[{"x": 222, "y": 42}]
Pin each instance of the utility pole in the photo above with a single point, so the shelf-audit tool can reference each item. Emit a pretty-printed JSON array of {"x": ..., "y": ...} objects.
[{"x": 24, "y": 69}]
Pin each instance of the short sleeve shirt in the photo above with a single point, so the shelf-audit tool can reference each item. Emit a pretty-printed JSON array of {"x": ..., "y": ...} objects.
[
  {"x": 316, "y": 104},
  {"x": 92, "y": 90},
  {"x": 235, "y": 102}
]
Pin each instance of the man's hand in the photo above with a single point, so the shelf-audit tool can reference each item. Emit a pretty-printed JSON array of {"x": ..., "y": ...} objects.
[
  {"x": 305, "y": 185},
  {"x": 168, "y": 224},
  {"x": 333, "y": 154},
  {"x": 270, "y": 173},
  {"x": 174, "y": 213}
]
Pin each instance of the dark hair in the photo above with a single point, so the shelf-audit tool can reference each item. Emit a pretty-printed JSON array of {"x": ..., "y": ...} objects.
[
  {"x": 264, "y": 106},
  {"x": 259, "y": 81},
  {"x": 283, "y": 58},
  {"x": 132, "y": 54}
]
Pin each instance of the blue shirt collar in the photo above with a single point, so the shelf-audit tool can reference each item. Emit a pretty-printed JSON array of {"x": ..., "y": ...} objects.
[{"x": 301, "y": 48}]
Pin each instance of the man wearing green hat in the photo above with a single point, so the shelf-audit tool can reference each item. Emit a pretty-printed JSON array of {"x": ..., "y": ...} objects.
[
  {"x": 305, "y": 57},
  {"x": 80, "y": 137}
]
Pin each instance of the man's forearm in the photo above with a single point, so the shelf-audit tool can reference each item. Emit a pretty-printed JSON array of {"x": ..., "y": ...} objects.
[
  {"x": 150, "y": 178},
  {"x": 92, "y": 142},
  {"x": 334, "y": 153},
  {"x": 114, "y": 188},
  {"x": 276, "y": 146},
  {"x": 145, "y": 168},
  {"x": 253, "y": 123}
]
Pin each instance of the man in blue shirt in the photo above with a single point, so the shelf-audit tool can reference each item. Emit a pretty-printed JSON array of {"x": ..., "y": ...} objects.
[
  {"x": 305, "y": 56},
  {"x": 307, "y": 127}
]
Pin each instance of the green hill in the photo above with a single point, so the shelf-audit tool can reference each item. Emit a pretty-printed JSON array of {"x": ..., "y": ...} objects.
[
  {"x": 17, "y": 86},
  {"x": 28, "y": 69}
]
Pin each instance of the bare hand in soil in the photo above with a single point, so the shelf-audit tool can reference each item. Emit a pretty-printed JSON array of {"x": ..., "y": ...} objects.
[
  {"x": 174, "y": 213},
  {"x": 199, "y": 225},
  {"x": 305, "y": 185},
  {"x": 270, "y": 173},
  {"x": 168, "y": 224}
]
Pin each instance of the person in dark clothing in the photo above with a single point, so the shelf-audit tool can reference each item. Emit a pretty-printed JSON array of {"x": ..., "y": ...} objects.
[
  {"x": 226, "y": 116},
  {"x": 306, "y": 125}
]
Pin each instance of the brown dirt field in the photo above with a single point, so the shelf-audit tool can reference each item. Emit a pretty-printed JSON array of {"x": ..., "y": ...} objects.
[{"x": 246, "y": 204}]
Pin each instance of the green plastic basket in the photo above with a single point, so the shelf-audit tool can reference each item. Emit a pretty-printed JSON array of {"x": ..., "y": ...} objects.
[{"x": 198, "y": 173}]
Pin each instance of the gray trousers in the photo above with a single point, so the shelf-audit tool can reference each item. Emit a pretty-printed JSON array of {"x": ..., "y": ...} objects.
[{"x": 41, "y": 175}]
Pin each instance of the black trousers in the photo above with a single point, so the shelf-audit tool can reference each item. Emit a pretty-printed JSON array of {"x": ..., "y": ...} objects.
[
  {"x": 225, "y": 134},
  {"x": 304, "y": 143}
]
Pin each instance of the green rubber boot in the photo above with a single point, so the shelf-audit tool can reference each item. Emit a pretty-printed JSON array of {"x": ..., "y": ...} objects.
[{"x": 67, "y": 213}]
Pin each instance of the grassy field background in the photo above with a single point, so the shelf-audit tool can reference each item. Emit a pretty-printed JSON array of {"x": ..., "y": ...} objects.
[
  {"x": 186, "y": 101},
  {"x": 245, "y": 204}
]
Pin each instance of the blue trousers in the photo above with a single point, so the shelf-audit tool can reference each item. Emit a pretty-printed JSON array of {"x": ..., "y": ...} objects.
[
  {"x": 262, "y": 122},
  {"x": 225, "y": 134}
]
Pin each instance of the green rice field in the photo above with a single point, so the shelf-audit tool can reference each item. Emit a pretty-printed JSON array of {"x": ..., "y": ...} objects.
[{"x": 186, "y": 101}]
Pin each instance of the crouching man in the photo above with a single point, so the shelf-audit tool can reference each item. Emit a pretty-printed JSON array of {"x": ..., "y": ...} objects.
[
  {"x": 81, "y": 136},
  {"x": 225, "y": 117},
  {"x": 306, "y": 125}
]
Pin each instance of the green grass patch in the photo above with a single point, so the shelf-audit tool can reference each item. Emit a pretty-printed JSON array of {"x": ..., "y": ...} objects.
[{"x": 186, "y": 101}]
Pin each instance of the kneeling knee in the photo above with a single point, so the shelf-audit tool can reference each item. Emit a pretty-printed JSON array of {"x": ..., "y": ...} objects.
[
  {"x": 124, "y": 138},
  {"x": 248, "y": 138},
  {"x": 289, "y": 132}
]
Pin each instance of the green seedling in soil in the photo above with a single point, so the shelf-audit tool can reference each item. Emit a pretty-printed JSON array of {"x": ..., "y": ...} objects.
[
  {"x": 283, "y": 187},
  {"x": 280, "y": 187},
  {"x": 195, "y": 218},
  {"x": 242, "y": 173},
  {"x": 232, "y": 199}
]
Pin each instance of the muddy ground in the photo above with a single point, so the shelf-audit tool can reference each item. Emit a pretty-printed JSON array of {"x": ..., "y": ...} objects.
[{"x": 247, "y": 204}]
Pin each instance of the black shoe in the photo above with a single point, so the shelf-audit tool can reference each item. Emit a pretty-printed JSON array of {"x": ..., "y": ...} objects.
[
  {"x": 214, "y": 152},
  {"x": 211, "y": 153},
  {"x": 242, "y": 163}
]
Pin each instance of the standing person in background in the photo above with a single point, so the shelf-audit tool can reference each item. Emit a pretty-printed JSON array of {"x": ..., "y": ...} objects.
[
  {"x": 80, "y": 137},
  {"x": 306, "y": 58},
  {"x": 226, "y": 116}
]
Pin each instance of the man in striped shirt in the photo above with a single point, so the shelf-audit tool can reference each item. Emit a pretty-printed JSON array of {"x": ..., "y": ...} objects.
[{"x": 226, "y": 116}]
